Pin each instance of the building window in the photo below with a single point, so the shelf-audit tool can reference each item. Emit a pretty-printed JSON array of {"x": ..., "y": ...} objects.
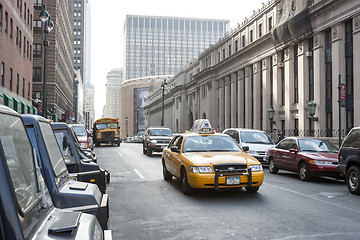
[
  {"x": 349, "y": 67},
  {"x": 296, "y": 82},
  {"x": 27, "y": 48},
  {"x": 17, "y": 36},
  {"x": 260, "y": 30},
  {"x": 251, "y": 36},
  {"x": 25, "y": 11},
  {"x": 1, "y": 17},
  {"x": 224, "y": 53},
  {"x": 23, "y": 87},
  {"x": 311, "y": 69},
  {"x": 270, "y": 23},
  {"x": 11, "y": 28},
  {"x": 243, "y": 40},
  {"x": 37, "y": 4},
  {"x": 229, "y": 49},
  {"x": 17, "y": 83},
  {"x": 36, "y": 74},
  {"x": 2, "y": 71},
  {"x": 37, "y": 51},
  {"x": 11, "y": 79},
  {"x": 236, "y": 45},
  {"x": 6, "y": 21},
  {"x": 282, "y": 76},
  {"x": 28, "y": 94}
]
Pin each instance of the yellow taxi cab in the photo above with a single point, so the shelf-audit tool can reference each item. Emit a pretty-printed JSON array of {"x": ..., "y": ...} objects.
[{"x": 205, "y": 159}]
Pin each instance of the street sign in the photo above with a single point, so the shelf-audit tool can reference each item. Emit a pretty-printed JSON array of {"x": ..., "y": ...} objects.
[{"x": 342, "y": 94}]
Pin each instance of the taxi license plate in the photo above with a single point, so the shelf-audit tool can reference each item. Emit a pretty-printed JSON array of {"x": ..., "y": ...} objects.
[{"x": 232, "y": 180}]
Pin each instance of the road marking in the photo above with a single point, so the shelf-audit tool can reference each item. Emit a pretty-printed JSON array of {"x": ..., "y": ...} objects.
[
  {"x": 311, "y": 197},
  {"x": 120, "y": 155},
  {"x": 138, "y": 173}
]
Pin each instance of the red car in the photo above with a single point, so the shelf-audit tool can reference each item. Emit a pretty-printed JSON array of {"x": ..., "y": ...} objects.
[{"x": 307, "y": 156}]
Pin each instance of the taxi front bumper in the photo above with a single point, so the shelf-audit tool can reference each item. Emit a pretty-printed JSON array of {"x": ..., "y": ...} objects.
[{"x": 218, "y": 180}]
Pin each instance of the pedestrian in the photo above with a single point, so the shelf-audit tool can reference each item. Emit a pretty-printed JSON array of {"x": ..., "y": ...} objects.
[
  {"x": 274, "y": 136},
  {"x": 281, "y": 135}
]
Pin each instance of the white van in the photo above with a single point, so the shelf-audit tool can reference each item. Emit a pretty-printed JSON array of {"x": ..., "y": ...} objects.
[{"x": 258, "y": 141}]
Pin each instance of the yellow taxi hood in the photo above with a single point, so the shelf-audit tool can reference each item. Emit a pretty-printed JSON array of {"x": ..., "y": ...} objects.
[{"x": 206, "y": 158}]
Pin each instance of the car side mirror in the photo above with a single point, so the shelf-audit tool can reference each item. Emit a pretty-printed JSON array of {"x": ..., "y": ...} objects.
[
  {"x": 293, "y": 150},
  {"x": 246, "y": 148},
  {"x": 65, "y": 143},
  {"x": 175, "y": 149}
]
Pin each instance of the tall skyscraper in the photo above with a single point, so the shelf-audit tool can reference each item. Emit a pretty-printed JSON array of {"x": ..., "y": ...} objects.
[
  {"x": 114, "y": 80},
  {"x": 162, "y": 45}
]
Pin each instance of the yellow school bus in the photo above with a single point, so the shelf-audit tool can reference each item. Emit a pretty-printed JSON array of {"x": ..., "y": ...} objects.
[{"x": 106, "y": 130}]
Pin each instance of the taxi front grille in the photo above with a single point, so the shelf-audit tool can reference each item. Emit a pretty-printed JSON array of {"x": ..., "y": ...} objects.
[{"x": 230, "y": 168}]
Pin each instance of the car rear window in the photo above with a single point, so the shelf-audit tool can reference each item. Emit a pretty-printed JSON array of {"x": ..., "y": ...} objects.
[{"x": 352, "y": 140}]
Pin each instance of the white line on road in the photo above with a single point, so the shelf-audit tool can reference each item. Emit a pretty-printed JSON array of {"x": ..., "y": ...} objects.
[
  {"x": 138, "y": 173},
  {"x": 120, "y": 155},
  {"x": 311, "y": 197}
]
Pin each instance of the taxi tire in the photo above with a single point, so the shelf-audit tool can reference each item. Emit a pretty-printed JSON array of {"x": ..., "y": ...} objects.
[
  {"x": 187, "y": 190},
  {"x": 252, "y": 189},
  {"x": 166, "y": 174},
  {"x": 272, "y": 168}
]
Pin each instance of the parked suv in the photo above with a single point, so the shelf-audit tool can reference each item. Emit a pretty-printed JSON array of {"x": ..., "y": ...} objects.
[
  {"x": 349, "y": 160},
  {"x": 258, "y": 141},
  {"x": 156, "y": 139}
]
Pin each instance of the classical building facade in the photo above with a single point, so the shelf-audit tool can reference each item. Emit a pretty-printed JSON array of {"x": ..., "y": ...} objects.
[
  {"x": 132, "y": 99},
  {"x": 285, "y": 57},
  {"x": 114, "y": 80},
  {"x": 60, "y": 59},
  {"x": 156, "y": 45},
  {"x": 16, "y": 59}
]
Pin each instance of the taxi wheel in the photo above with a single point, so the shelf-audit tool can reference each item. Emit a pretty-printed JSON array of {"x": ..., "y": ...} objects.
[
  {"x": 272, "y": 168},
  {"x": 252, "y": 189},
  {"x": 304, "y": 173},
  {"x": 166, "y": 174},
  {"x": 185, "y": 184}
]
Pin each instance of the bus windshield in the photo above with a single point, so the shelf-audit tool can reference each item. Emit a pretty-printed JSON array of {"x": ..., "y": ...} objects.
[{"x": 101, "y": 126}]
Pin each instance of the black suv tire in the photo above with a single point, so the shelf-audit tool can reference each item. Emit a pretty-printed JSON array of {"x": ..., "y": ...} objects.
[{"x": 353, "y": 179}]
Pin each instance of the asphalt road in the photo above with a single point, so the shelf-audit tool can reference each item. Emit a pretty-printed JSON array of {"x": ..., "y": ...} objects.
[{"x": 144, "y": 206}]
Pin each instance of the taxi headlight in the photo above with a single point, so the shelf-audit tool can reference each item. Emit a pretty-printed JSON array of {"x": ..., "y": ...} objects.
[
  {"x": 256, "y": 168},
  {"x": 206, "y": 169}
]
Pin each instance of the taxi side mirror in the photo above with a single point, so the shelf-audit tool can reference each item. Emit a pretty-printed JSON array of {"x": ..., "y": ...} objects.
[
  {"x": 246, "y": 148},
  {"x": 175, "y": 149}
]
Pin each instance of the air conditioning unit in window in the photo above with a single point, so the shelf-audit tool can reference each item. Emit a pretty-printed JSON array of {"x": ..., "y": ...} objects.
[
  {"x": 280, "y": 64},
  {"x": 308, "y": 54}
]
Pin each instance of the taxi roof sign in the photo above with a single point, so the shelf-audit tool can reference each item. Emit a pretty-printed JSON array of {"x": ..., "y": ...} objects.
[{"x": 201, "y": 124}]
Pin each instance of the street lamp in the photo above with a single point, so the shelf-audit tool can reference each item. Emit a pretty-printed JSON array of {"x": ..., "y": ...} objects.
[
  {"x": 49, "y": 25},
  {"x": 126, "y": 120},
  {"x": 311, "y": 109},
  {"x": 163, "y": 84}
]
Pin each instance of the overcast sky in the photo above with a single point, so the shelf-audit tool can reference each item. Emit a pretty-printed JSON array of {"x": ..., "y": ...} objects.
[{"x": 107, "y": 25}]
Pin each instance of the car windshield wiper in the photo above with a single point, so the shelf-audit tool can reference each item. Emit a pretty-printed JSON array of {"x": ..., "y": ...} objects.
[
  {"x": 309, "y": 150},
  {"x": 196, "y": 151},
  {"x": 221, "y": 150}
]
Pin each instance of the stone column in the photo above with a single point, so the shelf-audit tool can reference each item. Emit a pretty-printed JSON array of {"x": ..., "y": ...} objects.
[
  {"x": 338, "y": 68},
  {"x": 256, "y": 97},
  {"x": 356, "y": 56},
  {"x": 227, "y": 97},
  {"x": 233, "y": 100},
  {"x": 319, "y": 80},
  {"x": 303, "y": 87},
  {"x": 248, "y": 96},
  {"x": 289, "y": 87},
  {"x": 276, "y": 90},
  {"x": 221, "y": 104},
  {"x": 241, "y": 110},
  {"x": 266, "y": 101}
]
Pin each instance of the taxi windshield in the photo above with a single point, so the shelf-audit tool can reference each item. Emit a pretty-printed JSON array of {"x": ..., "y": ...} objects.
[{"x": 210, "y": 143}]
